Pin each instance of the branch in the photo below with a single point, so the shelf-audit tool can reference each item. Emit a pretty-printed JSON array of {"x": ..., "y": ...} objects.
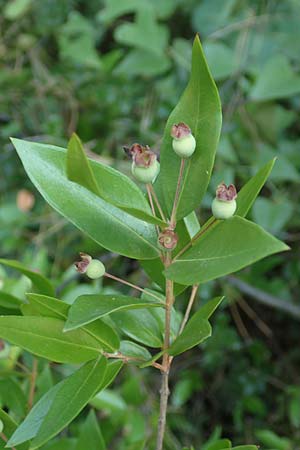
[{"x": 265, "y": 298}]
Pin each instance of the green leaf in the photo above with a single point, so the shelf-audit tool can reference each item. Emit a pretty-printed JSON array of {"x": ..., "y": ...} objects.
[
  {"x": 141, "y": 326},
  {"x": 134, "y": 350},
  {"x": 221, "y": 444},
  {"x": 228, "y": 247},
  {"x": 58, "y": 407},
  {"x": 90, "y": 436},
  {"x": 39, "y": 281},
  {"x": 78, "y": 167},
  {"x": 45, "y": 306},
  {"x": 245, "y": 447},
  {"x": 44, "y": 336},
  {"x": 252, "y": 188},
  {"x": 9, "y": 428},
  {"x": 200, "y": 108},
  {"x": 207, "y": 310},
  {"x": 107, "y": 183},
  {"x": 196, "y": 331},
  {"x": 88, "y": 308},
  {"x": 9, "y": 301},
  {"x": 109, "y": 226},
  {"x": 277, "y": 79},
  {"x": 112, "y": 369}
]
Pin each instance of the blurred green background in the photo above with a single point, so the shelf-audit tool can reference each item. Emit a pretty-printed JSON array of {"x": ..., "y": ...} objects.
[{"x": 112, "y": 71}]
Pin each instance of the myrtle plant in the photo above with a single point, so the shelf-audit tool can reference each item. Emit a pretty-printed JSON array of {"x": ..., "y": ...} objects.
[{"x": 153, "y": 220}]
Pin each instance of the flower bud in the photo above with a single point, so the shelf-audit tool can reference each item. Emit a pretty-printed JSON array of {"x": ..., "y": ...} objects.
[
  {"x": 93, "y": 268},
  {"x": 167, "y": 239},
  {"x": 145, "y": 166},
  {"x": 184, "y": 143},
  {"x": 224, "y": 205}
]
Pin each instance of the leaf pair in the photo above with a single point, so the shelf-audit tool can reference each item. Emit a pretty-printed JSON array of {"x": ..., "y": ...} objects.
[{"x": 227, "y": 246}]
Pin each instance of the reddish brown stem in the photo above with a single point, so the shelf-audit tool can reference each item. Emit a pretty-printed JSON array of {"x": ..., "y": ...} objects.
[
  {"x": 134, "y": 286},
  {"x": 194, "y": 239}
]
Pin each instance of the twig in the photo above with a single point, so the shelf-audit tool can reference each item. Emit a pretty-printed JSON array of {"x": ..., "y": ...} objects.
[
  {"x": 157, "y": 202},
  {"x": 164, "y": 391},
  {"x": 197, "y": 236},
  {"x": 32, "y": 383},
  {"x": 177, "y": 193},
  {"x": 127, "y": 359},
  {"x": 150, "y": 198},
  {"x": 264, "y": 328},
  {"x": 265, "y": 298},
  {"x": 239, "y": 322},
  {"x": 189, "y": 307},
  {"x": 134, "y": 286}
]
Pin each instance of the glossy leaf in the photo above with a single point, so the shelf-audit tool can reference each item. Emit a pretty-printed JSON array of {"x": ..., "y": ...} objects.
[
  {"x": 9, "y": 428},
  {"x": 207, "y": 310},
  {"x": 140, "y": 326},
  {"x": 252, "y": 188},
  {"x": 109, "y": 226},
  {"x": 245, "y": 447},
  {"x": 134, "y": 350},
  {"x": 90, "y": 436},
  {"x": 195, "y": 332},
  {"x": 39, "y": 281},
  {"x": 9, "y": 301},
  {"x": 229, "y": 246},
  {"x": 45, "y": 306},
  {"x": 200, "y": 108},
  {"x": 113, "y": 367},
  {"x": 78, "y": 167},
  {"x": 106, "y": 182},
  {"x": 58, "y": 407},
  {"x": 221, "y": 444},
  {"x": 88, "y": 308},
  {"x": 44, "y": 336}
]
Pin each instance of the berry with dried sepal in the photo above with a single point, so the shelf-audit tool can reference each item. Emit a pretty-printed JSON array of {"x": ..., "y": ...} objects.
[
  {"x": 167, "y": 239},
  {"x": 184, "y": 143},
  {"x": 93, "y": 268},
  {"x": 145, "y": 166},
  {"x": 224, "y": 205}
]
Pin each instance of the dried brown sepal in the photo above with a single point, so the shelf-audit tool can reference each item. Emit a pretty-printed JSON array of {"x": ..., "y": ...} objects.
[
  {"x": 81, "y": 266},
  {"x": 180, "y": 130},
  {"x": 226, "y": 193},
  {"x": 141, "y": 155}
]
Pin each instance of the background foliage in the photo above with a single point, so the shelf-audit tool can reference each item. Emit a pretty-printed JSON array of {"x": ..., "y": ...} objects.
[{"x": 112, "y": 71}]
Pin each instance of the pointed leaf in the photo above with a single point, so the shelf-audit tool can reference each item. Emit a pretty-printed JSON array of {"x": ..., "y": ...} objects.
[
  {"x": 252, "y": 188},
  {"x": 58, "y": 407},
  {"x": 42, "y": 305},
  {"x": 44, "y": 336},
  {"x": 229, "y": 246},
  {"x": 38, "y": 280},
  {"x": 78, "y": 167},
  {"x": 88, "y": 308},
  {"x": 141, "y": 326},
  {"x": 200, "y": 108},
  {"x": 106, "y": 182},
  {"x": 90, "y": 436},
  {"x": 109, "y": 226},
  {"x": 9, "y": 428},
  {"x": 207, "y": 310},
  {"x": 195, "y": 332}
]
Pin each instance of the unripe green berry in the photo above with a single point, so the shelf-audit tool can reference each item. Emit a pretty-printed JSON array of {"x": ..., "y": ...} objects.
[
  {"x": 145, "y": 174},
  {"x": 184, "y": 147},
  {"x": 95, "y": 269},
  {"x": 223, "y": 209}
]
